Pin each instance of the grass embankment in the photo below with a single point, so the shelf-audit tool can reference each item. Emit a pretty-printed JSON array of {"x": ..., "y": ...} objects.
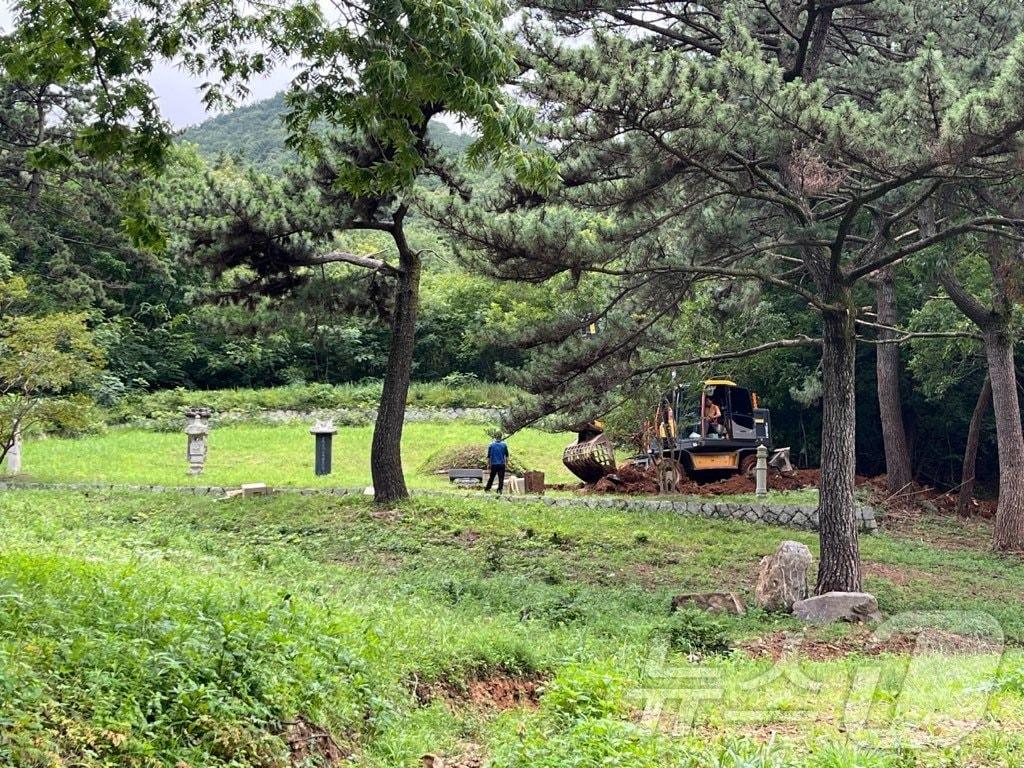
[{"x": 180, "y": 631}]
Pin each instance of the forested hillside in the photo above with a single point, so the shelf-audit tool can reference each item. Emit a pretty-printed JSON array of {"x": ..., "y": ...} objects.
[{"x": 255, "y": 134}]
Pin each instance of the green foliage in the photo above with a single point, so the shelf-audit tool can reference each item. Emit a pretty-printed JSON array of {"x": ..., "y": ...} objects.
[
  {"x": 256, "y": 136},
  {"x": 42, "y": 357},
  {"x": 90, "y": 59},
  {"x": 170, "y": 403},
  {"x": 143, "y": 669},
  {"x": 581, "y": 693},
  {"x": 694, "y": 631},
  {"x": 46, "y": 355}
]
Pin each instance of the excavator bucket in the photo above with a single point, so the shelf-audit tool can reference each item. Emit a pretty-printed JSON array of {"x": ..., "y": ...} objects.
[
  {"x": 592, "y": 456},
  {"x": 780, "y": 460}
]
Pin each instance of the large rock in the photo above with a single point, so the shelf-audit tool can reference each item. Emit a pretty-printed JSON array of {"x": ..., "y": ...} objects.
[
  {"x": 712, "y": 602},
  {"x": 782, "y": 577},
  {"x": 838, "y": 606}
]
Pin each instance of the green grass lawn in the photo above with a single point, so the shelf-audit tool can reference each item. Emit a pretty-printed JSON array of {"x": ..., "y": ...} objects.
[
  {"x": 165, "y": 630},
  {"x": 280, "y": 455}
]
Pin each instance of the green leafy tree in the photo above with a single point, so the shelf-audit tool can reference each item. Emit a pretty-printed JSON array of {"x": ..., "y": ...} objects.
[{"x": 40, "y": 357}]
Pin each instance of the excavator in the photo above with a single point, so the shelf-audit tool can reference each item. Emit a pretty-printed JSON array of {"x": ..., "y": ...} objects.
[{"x": 688, "y": 438}]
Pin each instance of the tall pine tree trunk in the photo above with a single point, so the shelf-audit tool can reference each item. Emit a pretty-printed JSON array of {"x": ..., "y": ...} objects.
[
  {"x": 839, "y": 569},
  {"x": 966, "y": 493},
  {"x": 890, "y": 405},
  {"x": 386, "y": 449},
  {"x": 1009, "y": 529}
]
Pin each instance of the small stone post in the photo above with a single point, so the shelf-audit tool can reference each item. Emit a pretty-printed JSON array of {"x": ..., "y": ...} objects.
[
  {"x": 323, "y": 433},
  {"x": 761, "y": 471},
  {"x": 197, "y": 429},
  {"x": 14, "y": 456}
]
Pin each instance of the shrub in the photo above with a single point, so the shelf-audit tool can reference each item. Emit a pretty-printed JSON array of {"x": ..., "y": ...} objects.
[
  {"x": 695, "y": 631},
  {"x": 582, "y": 692}
]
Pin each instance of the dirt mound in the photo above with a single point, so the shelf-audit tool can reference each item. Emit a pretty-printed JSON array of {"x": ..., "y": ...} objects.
[
  {"x": 631, "y": 479},
  {"x": 498, "y": 692},
  {"x": 628, "y": 479},
  {"x": 739, "y": 484},
  {"x": 463, "y": 457},
  {"x": 577, "y": 486},
  {"x": 308, "y": 743}
]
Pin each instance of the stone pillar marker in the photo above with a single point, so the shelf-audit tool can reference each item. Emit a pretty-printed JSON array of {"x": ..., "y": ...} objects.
[
  {"x": 197, "y": 428},
  {"x": 323, "y": 433},
  {"x": 761, "y": 471},
  {"x": 14, "y": 456}
]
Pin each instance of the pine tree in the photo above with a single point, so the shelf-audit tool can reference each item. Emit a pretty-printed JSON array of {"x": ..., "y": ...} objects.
[{"x": 720, "y": 143}]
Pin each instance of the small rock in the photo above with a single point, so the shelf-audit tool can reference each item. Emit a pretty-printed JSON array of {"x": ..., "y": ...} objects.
[
  {"x": 782, "y": 577},
  {"x": 838, "y": 606},
  {"x": 712, "y": 602}
]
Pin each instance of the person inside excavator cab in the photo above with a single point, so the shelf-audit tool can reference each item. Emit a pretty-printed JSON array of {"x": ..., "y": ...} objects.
[{"x": 712, "y": 414}]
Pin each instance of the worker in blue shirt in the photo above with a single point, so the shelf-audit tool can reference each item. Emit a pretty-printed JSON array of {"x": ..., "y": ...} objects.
[{"x": 497, "y": 458}]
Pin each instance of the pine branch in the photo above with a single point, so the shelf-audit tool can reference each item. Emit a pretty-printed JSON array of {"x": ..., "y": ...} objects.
[
  {"x": 343, "y": 257},
  {"x": 904, "y": 335},
  {"x": 800, "y": 341}
]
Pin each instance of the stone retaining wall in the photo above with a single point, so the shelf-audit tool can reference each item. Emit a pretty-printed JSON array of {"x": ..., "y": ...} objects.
[{"x": 791, "y": 515}]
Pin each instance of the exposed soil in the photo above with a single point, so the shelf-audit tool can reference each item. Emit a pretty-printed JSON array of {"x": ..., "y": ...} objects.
[
  {"x": 628, "y": 479},
  {"x": 902, "y": 575},
  {"x": 309, "y": 742},
  {"x": 469, "y": 756},
  {"x": 634, "y": 480},
  {"x": 782, "y": 644},
  {"x": 498, "y": 692}
]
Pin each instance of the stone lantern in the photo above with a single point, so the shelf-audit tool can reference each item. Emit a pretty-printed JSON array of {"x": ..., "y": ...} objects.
[
  {"x": 197, "y": 428},
  {"x": 14, "y": 455}
]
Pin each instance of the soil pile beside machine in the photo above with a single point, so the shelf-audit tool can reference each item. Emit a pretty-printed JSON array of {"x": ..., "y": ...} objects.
[{"x": 706, "y": 439}]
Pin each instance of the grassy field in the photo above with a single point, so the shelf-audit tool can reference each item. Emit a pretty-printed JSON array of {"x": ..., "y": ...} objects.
[
  {"x": 149, "y": 630},
  {"x": 277, "y": 455},
  {"x": 282, "y": 455}
]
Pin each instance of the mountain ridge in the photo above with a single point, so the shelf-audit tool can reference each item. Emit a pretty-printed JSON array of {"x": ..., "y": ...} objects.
[{"x": 256, "y": 134}]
